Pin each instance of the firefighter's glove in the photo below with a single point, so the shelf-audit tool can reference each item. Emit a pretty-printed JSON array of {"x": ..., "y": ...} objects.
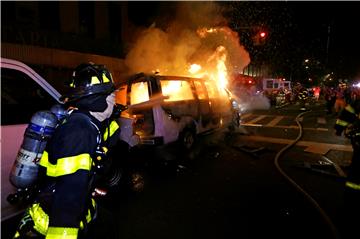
[{"x": 118, "y": 108}]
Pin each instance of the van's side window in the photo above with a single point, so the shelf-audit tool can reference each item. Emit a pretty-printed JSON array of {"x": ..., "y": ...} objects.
[
  {"x": 269, "y": 84},
  {"x": 200, "y": 90},
  {"x": 139, "y": 92},
  {"x": 21, "y": 97},
  {"x": 177, "y": 90},
  {"x": 212, "y": 89}
]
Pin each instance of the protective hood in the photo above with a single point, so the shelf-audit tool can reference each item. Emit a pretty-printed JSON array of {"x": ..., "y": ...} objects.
[{"x": 93, "y": 103}]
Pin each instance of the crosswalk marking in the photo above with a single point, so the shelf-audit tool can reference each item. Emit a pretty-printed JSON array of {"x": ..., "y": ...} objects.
[
  {"x": 256, "y": 119},
  {"x": 284, "y": 127},
  {"x": 311, "y": 145},
  {"x": 245, "y": 116},
  {"x": 275, "y": 121}
]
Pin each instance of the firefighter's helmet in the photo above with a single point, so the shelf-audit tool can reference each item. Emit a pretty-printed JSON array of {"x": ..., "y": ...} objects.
[{"x": 89, "y": 79}]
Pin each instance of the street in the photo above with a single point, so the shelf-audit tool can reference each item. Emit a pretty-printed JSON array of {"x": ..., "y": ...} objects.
[{"x": 228, "y": 186}]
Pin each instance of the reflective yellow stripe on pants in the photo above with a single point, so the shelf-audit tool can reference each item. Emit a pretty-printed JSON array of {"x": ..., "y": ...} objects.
[
  {"x": 352, "y": 185},
  {"x": 62, "y": 233},
  {"x": 41, "y": 219}
]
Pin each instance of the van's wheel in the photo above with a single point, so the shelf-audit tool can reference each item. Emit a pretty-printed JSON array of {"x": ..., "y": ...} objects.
[
  {"x": 187, "y": 139},
  {"x": 137, "y": 181}
]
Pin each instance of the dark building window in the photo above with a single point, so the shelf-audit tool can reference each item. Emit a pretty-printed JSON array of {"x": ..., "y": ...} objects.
[
  {"x": 8, "y": 12},
  {"x": 142, "y": 12},
  {"x": 269, "y": 84},
  {"x": 87, "y": 18},
  {"x": 115, "y": 20},
  {"x": 49, "y": 16}
]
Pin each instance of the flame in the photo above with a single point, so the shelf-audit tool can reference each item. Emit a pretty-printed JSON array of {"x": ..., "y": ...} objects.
[
  {"x": 212, "y": 67},
  {"x": 203, "y": 32},
  {"x": 139, "y": 93},
  {"x": 194, "y": 68},
  {"x": 176, "y": 90},
  {"x": 221, "y": 68},
  {"x": 216, "y": 69}
]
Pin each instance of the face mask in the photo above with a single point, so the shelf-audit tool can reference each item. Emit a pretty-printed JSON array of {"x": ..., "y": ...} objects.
[{"x": 101, "y": 116}]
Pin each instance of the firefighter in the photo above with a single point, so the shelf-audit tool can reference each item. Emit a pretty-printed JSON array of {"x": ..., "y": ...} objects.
[
  {"x": 302, "y": 96},
  {"x": 349, "y": 123},
  {"x": 64, "y": 206}
]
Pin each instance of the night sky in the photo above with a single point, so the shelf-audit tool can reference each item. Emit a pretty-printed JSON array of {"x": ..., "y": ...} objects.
[
  {"x": 297, "y": 29},
  {"x": 314, "y": 18}
]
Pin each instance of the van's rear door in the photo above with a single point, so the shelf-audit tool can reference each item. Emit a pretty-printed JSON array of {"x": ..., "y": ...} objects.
[{"x": 139, "y": 94}]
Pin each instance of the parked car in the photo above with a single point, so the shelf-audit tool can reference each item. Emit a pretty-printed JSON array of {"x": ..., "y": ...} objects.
[
  {"x": 170, "y": 109},
  {"x": 23, "y": 92}
]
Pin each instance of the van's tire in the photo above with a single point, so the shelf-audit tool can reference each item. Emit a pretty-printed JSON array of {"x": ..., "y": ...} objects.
[
  {"x": 187, "y": 139},
  {"x": 136, "y": 181}
]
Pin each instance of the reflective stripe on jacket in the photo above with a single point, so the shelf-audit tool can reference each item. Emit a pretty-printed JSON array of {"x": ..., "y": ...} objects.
[
  {"x": 67, "y": 162},
  {"x": 113, "y": 127},
  {"x": 41, "y": 222},
  {"x": 66, "y": 165},
  {"x": 347, "y": 116}
]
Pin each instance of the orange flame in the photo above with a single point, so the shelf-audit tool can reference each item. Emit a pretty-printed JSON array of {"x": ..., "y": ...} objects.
[
  {"x": 194, "y": 68},
  {"x": 216, "y": 69},
  {"x": 212, "y": 67}
]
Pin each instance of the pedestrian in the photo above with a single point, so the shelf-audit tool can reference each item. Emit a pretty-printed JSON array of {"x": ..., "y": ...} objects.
[
  {"x": 329, "y": 96},
  {"x": 347, "y": 95},
  {"x": 340, "y": 101},
  {"x": 349, "y": 122},
  {"x": 64, "y": 206},
  {"x": 317, "y": 93}
]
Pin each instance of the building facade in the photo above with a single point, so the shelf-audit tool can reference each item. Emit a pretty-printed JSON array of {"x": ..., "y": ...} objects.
[{"x": 54, "y": 37}]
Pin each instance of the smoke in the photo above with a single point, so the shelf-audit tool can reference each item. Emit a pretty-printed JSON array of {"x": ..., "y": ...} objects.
[
  {"x": 194, "y": 34},
  {"x": 157, "y": 50},
  {"x": 172, "y": 47}
]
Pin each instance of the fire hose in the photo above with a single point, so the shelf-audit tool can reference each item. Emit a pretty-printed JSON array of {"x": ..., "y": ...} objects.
[{"x": 299, "y": 188}]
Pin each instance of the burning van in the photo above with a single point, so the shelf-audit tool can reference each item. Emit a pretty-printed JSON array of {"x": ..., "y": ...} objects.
[{"x": 168, "y": 109}]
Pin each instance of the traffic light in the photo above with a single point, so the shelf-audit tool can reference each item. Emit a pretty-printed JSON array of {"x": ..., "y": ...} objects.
[{"x": 260, "y": 37}]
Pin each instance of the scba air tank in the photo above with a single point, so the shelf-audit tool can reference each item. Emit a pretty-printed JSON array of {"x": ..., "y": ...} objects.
[
  {"x": 59, "y": 111},
  {"x": 40, "y": 129}
]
